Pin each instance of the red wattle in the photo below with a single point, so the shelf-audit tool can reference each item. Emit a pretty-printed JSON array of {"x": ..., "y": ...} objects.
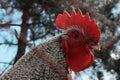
[{"x": 77, "y": 58}]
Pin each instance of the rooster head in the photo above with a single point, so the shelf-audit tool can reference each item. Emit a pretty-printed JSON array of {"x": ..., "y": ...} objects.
[{"x": 81, "y": 35}]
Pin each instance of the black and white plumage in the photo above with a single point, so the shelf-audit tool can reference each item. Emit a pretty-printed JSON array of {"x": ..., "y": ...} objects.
[{"x": 35, "y": 66}]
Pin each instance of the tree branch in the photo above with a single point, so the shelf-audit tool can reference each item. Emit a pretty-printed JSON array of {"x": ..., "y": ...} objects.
[
  {"x": 8, "y": 24},
  {"x": 9, "y": 63},
  {"x": 8, "y": 43}
]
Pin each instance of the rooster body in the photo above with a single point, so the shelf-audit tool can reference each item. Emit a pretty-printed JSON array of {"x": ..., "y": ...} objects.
[
  {"x": 70, "y": 50},
  {"x": 33, "y": 67}
]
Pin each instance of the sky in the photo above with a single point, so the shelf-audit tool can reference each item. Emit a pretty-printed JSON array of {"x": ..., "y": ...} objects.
[{"x": 7, "y": 53}]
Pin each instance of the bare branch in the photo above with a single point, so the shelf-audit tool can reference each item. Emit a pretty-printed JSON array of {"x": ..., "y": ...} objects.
[
  {"x": 8, "y": 24},
  {"x": 10, "y": 63},
  {"x": 8, "y": 43},
  {"x": 6, "y": 63}
]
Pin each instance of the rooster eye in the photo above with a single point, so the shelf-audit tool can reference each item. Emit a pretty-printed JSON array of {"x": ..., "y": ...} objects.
[{"x": 75, "y": 36}]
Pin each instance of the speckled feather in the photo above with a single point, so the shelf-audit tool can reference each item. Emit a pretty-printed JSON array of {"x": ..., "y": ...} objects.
[{"x": 32, "y": 67}]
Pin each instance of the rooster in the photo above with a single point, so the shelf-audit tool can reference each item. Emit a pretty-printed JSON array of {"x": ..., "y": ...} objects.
[{"x": 55, "y": 58}]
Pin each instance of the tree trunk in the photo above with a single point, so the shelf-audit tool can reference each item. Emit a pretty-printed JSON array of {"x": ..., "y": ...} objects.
[
  {"x": 44, "y": 62},
  {"x": 22, "y": 38}
]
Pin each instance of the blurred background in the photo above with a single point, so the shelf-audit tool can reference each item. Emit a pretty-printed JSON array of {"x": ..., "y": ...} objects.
[{"x": 26, "y": 23}]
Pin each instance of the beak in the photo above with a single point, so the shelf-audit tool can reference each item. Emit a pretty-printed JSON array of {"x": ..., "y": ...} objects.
[{"x": 96, "y": 47}]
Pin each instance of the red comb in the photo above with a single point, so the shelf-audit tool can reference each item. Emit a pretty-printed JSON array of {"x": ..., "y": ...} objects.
[{"x": 66, "y": 21}]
